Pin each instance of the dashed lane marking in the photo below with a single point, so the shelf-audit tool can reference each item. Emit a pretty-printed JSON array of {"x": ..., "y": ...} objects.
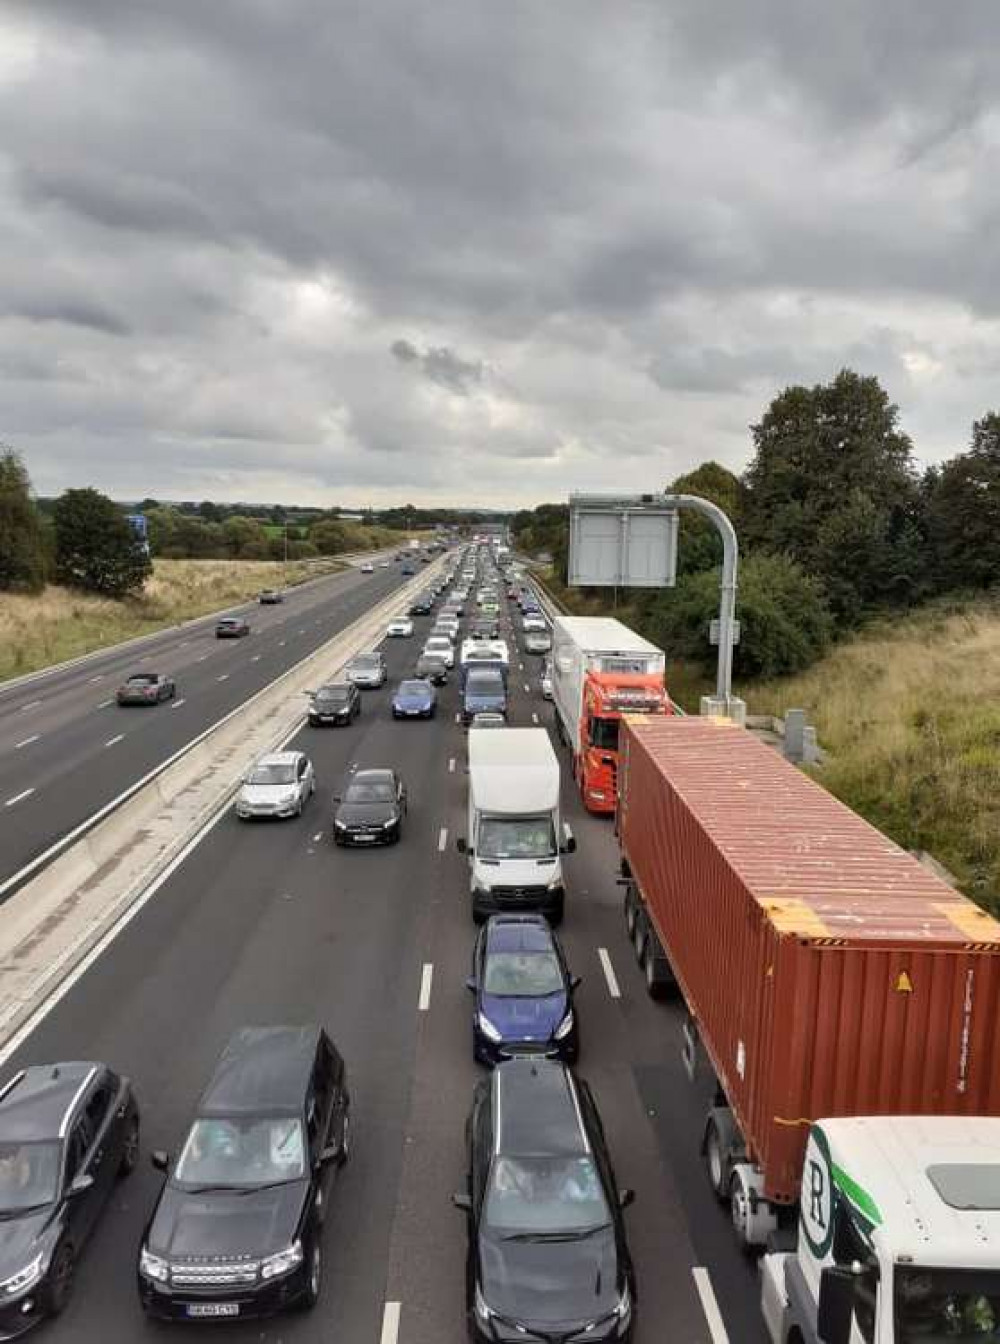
[
  {"x": 390, "y": 1323},
  {"x": 442, "y": 839},
  {"x": 426, "y": 979},
  {"x": 317, "y": 837},
  {"x": 27, "y": 741},
  {"x": 99, "y": 677},
  {"x": 112, "y": 741},
  {"x": 451, "y": 765},
  {"x": 177, "y": 703},
  {"x": 104, "y": 704},
  {"x": 534, "y": 718},
  {"x": 709, "y": 1305},
  {"x": 19, "y": 797},
  {"x": 32, "y": 704},
  {"x": 255, "y": 658},
  {"x": 223, "y": 677},
  {"x": 609, "y": 973}
]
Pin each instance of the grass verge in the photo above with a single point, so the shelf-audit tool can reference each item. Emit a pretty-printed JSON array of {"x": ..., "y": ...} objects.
[{"x": 60, "y": 623}]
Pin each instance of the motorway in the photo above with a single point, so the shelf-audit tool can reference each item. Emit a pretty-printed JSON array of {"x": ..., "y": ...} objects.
[
  {"x": 66, "y": 747},
  {"x": 271, "y": 923}
]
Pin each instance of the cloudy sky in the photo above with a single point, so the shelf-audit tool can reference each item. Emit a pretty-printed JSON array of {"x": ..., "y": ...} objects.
[{"x": 482, "y": 251}]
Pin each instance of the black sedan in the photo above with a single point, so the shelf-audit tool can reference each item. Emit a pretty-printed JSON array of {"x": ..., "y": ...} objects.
[
  {"x": 423, "y": 606},
  {"x": 336, "y": 703},
  {"x": 67, "y": 1132},
  {"x": 548, "y": 1258},
  {"x": 146, "y": 688},
  {"x": 232, "y": 627},
  {"x": 371, "y": 809}
]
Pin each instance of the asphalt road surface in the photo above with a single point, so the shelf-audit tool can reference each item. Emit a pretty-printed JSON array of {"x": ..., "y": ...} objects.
[
  {"x": 66, "y": 747},
  {"x": 270, "y": 923}
]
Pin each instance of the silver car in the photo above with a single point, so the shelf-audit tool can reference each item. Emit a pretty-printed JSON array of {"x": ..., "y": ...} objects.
[
  {"x": 367, "y": 671},
  {"x": 278, "y": 785},
  {"x": 547, "y": 680},
  {"x": 537, "y": 641}
]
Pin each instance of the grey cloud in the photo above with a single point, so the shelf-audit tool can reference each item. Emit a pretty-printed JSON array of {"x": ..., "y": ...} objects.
[
  {"x": 442, "y": 366},
  {"x": 76, "y": 313}
]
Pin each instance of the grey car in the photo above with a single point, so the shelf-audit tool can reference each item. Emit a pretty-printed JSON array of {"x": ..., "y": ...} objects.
[
  {"x": 537, "y": 641},
  {"x": 278, "y": 785},
  {"x": 367, "y": 671}
]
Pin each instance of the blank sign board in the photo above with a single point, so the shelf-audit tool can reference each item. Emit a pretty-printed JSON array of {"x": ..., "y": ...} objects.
[{"x": 621, "y": 544}]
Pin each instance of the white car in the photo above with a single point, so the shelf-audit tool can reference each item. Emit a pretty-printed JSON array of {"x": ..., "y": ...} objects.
[
  {"x": 447, "y": 625},
  {"x": 400, "y": 628},
  {"x": 440, "y": 646},
  {"x": 533, "y": 622},
  {"x": 368, "y": 568},
  {"x": 278, "y": 785},
  {"x": 547, "y": 680}
]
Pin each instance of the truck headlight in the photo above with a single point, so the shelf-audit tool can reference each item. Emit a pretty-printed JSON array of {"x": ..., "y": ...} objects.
[
  {"x": 565, "y": 1026},
  {"x": 153, "y": 1266},
  {"x": 488, "y": 1029},
  {"x": 283, "y": 1262}
]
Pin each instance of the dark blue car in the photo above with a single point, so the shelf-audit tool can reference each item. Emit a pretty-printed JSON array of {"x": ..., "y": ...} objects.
[
  {"x": 414, "y": 699},
  {"x": 523, "y": 991}
]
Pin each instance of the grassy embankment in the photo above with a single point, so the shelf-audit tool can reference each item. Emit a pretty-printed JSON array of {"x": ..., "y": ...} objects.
[{"x": 60, "y": 623}]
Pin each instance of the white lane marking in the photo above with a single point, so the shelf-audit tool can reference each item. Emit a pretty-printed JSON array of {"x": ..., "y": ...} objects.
[
  {"x": 609, "y": 973},
  {"x": 255, "y": 658},
  {"x": 27, "y": 741},
  {"x": 224, "y": 677},
  {"x": 18, "y": 797},
  {"x": 520, "y": 667},
  {"x": 302, "y": 632},
  {"x": 99, "y": 677},
  {"x": 104, "y": 704},
  {"x": 527, "y": 687},
  {"x": 112, "y": 740},
  {"x": 317, "y": 837},
  {"x": 184, "y": 643},
  {"x": 451, "y": 765},
  {"x": 177, "y": 703},
  {"x": 30, "y": 705},
  {"x": 282, "y": 643},
  {"x": 458, "y": 718},
  {"x": 390, "y": 1323},
  {"x": 426, "y": 979},
  {"x": 203, "y": 657},
  {"x": 534, "y": 718},
  {"x": 709, "y": 1305},
  {"x": 442, "y": 839}
]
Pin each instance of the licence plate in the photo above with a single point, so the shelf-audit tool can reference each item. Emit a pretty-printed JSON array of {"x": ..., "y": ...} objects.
[
  {"x": 213, "y": 1309},
  {"x": 364, "y": 839}
]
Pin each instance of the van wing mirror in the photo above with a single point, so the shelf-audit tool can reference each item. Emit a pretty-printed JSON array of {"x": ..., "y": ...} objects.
[
  {"x": 836, "y": 1303},
  {"x": 461, "y": 845},
  {"x": 568, "y": 845},
  {"x": 160, "y": 1159},
  {"x": 462, "y": 1201}
]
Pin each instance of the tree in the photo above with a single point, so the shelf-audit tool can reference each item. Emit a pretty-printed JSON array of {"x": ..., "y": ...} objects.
[
  {"x": 244, "y": 536},
  {"x": 22, "y": 549},
  {"x": 699, "y": 545},
  {"x": 211, "y": 513},
  {"x": 96, "y": 548},
  {"x": 329, "y": 537},
  {"x": 832, "y": 485},
  {"x": 963, "y": 511}
]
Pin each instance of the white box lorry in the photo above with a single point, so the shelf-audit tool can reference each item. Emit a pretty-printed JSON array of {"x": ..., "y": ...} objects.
[
  {"x": 515, "y": 836},
  {"x": 898, "y": 1235}
]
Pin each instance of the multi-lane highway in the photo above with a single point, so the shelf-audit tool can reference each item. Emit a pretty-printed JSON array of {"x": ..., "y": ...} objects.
[
  {"x": 271, "y": 923},
  {"x": 66, "y": 748}
]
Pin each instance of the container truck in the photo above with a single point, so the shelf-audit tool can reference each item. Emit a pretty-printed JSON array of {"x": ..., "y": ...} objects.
[
  {"x": 515, "y": 836},
  {"x": 601, "y": 669},
  {"x": 827, "y": 975}
]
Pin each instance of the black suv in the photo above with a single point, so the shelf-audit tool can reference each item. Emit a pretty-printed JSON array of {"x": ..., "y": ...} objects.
[
  {"x": 67, "y": 1132},
  {"x": 548, "y": 1259},
  {"x": 336, "y": 703},
  {"x": 236, "y": 1229}
]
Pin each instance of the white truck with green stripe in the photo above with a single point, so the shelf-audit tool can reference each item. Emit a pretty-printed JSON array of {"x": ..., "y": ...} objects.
[{"x": 898, "y": 1235}]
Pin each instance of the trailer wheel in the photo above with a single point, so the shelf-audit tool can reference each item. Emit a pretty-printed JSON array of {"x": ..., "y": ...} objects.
[
  {"x": 715, "y": 1162},
  {"x": 658, "y": 978},
  {"x": 639, "y": 937},
  {"x": 631, "y": 913}
]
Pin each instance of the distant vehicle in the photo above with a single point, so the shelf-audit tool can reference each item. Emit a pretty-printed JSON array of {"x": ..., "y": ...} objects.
[
  {"x": 232, "y": 627},
  {"x": 484, "y": 690},
  {"x": 484, "y": 628},
  {"x": 367, "y": 670},
  {"x": 433, "y": 667},
  {"x": 371, "y": 809},
  {"x": 278, "y": 785},
  {"x": 368, "y": 568},
  {"x": 446, "y": 625},
  {"x": 269, "y": 597},
  {"x": 442, "y": 647},
  {"x": 546, "y": 680},
  {"x": 487, "y": 718},
  {"x": 337, "y": 703},
  {"x": 544, "y": 1212},
  {"x": 523, "y": 991},
  {"x": 146, "y": 688},
  {"x": 414, "y": 699},
  {"x": 236, "y": 1231},
  {"x": 423, "y": 606},
  {"x": 537, "y": 641},
  {"x": 534, "y": 621},
  {"x": 400, "y": 628},
  {"x": 407, "y": 569},
  {"x": 385, "y": 564},
  {"x": 67, "y": 1131}
]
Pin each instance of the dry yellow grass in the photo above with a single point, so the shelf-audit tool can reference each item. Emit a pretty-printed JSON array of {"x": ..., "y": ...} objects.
[
  {"x": 910, "y": 714},
  {"x": 60, "y": 623}
]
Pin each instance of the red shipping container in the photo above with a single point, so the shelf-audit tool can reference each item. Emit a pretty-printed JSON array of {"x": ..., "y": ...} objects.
[{"x": 828, "y": 971}]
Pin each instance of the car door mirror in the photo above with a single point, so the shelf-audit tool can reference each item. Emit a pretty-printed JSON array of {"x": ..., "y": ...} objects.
[
  {"x": 461, "y": 845},
  {"x": 337, "y": 798},
  {"x": 160, "y": 1159},
  {"x": 329, "y": 1153},
  {"x": 575, "y": 981},
  {"x": 81, "y": 1184},
  {"x": 471, "y": 983},
  {"x": 463, "y": 1202},
  {"x": 625, "y": 1198}
]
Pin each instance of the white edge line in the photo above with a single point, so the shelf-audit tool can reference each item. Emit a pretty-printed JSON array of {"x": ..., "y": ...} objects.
[
  {"x": 442, "y": 839},
  {"x": 426, "y": 980},
  {"x": 709, "y": 1305},
  {"x": 609, "y": 973},
  {"x": 390, "y": 1323}
]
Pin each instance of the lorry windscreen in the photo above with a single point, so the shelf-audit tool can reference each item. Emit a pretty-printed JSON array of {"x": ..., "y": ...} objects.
[
  {"x": 516, "y": 838},
  {"x": 484, "y": 683},
  {"x": 946, "y": 1304},
  {"x": 604, "y": 734}
]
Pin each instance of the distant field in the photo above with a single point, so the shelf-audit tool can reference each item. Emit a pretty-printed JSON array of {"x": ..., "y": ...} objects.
[
  {"x": 910, "y": 714},
  {"x": 60, "y": 623}
]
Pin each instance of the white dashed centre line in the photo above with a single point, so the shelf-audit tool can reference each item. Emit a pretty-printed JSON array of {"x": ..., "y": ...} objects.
[
  {"x": 282, "y": 643},
  {"x": 317, "y": 837},
  {"x": 609, "y": 973},
  {"x": 458, "y": 718},
  {"x": 534, "y": 718},
  {"x": 27, "y": 741},
  {"x": 520, "y": 667},
  {"x": 177, "y": 703},
  {"x": 451, "y": 765},
  {"x": 390, "y": 1323},
  {"x": 203, "y": 657},
  {"x": 99, "y": 677},
  {"x": 442, "y": 839},
  {"x": 113, "y": 740},
  {"x": 32, "y": 704},
  {"x": 527, "y": 687},
  {"x": 224, "y": 677},
  {"x": 709, "y": 1305},
  {"x": 19, "y": 797},
  {"x": 426, "y": 979},
  {"x": 183, "y": 644},
  {"x": 104, "y": 704},
  {"x": 255, "y": 658}
]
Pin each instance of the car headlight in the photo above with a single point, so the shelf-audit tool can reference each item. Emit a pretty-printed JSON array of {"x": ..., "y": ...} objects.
[
  {"x": 283, "y": 1262},
  {"x": 484, "y": 1312},
  {"x": 340, "y": 825},
  {"x": 565, "y": 1026},
  {"x": 623, "y": 1309},
  {"x": 488, "y": 1029},
  {"x": 387, "y": 825},
  {"x": 153, "y": 1266},
  {"x": 25, "y": 1277}
]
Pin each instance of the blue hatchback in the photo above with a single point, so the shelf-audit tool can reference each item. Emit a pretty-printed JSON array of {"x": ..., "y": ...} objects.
[
  {"x": 414, "y": 699},
  {"x": 523, "y": 991}
]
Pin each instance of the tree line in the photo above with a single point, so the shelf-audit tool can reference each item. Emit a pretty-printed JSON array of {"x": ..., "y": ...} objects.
[{"x": 835, "y": 522}]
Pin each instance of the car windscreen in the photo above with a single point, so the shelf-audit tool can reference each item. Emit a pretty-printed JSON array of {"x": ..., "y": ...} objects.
[
  {"x": 481, "y": 682},
  {"x": 522, "y": 974},
  {"x": 439, "y": 643},
  {"x": 414, "y": 688},
  {"x": 516, "y": 837},
  {"x": 272, "y": 774},
  {"x": 29, "y": 1175},
  {"x": 333, "y": 695},
  {"x": 366, "y": 661},
  {"x": 364, "y": 792},
  {"x": 544, "y": 1194},
  {"x": 938, "y": 1304},
  {"x": 143, "y": 679},
  {"x": 242, "y": 1152}
]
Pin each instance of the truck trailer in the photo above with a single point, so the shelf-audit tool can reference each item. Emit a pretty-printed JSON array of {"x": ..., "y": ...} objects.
[
  {"x": 600, "y": 670},
  {"x": 827, "y": 975}
]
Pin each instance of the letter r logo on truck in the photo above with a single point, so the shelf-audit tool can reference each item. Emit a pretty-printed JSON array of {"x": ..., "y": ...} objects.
[{"x": 817, "y": 1194}]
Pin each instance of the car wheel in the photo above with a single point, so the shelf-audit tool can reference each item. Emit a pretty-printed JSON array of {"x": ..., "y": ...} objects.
[
  {"x": 62, "y": 1272},
  {"x": 301, "y": 805},
  {"x": 130, "y": 1150},
  {"x": 314, "y": 1277}
]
